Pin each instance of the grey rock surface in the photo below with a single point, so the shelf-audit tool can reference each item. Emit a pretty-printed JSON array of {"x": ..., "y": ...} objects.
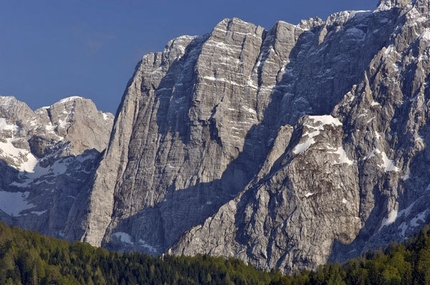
[
  {"x": 286, "y": 148},
  {"x": 46, "y": 156}
]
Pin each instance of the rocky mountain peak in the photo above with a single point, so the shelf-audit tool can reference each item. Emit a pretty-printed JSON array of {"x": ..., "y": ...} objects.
[
  {"x": 280, "y": 146},
  {"x": 46, "y": 156},
  {"x": 285, "y": 148},
  {"x": 423, "y": 6},
  {"x": 384, "y": 5}
]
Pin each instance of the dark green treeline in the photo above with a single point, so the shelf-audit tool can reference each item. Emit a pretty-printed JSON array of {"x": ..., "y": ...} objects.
[{"x": 30, "y": 258}]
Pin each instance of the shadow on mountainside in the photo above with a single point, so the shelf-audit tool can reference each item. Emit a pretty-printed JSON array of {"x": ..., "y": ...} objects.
[
  {"x": 315, "y": 80},
  {"x": 411, "y": 192}
]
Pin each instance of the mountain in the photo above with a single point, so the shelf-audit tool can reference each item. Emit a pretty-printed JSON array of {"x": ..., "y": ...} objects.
[
  {"x": 46, "y": 156},
  {"x": 285, "y": 148}
]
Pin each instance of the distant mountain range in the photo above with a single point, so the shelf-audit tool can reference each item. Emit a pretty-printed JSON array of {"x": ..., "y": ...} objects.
[{"x": 285, "y": 148}]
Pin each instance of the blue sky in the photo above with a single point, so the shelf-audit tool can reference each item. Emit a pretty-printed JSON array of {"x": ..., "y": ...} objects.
[{"x": 54, "y": 49}]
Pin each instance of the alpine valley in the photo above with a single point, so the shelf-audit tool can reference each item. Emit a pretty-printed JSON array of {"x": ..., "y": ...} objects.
[{"x": 285, "y": 148}]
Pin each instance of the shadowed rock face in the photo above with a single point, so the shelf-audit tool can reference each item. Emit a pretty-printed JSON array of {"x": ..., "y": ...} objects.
[
  {"x": 46, "y": 157},
  {"x": 285, "y": 147}
]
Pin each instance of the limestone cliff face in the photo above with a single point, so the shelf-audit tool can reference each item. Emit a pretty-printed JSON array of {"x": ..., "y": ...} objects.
[
  {"x": 286, "y": 148},
  {"x": 351, "y": 179},
  {"x": 46, "y": 156}
]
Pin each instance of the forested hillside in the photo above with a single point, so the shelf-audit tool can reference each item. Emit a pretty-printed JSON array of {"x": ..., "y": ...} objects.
[{"x": 30, "y": 258}]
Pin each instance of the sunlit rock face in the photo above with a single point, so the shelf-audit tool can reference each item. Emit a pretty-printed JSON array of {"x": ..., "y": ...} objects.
[
  {"x": 46, "y": 156},
  {"x": 286, "y": 148}
]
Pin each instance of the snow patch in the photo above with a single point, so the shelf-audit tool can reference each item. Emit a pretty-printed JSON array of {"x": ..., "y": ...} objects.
[
  {"x": 403, "y": 227},
  {"x": 58, "y": 168},
  {"x": 38, "y": 213},
  {"x": 343, "y": 157},
  {"x": 250, "y": 110},
  {"x": 388, "y": 51},
  {"x": 302, "y": 147},
  {"x": 426, "y": 35},
  {"x": 388, "y": 164},
  {"x": 70, "y": 99},
  {"x": 123, "y": 237},
  {"x": 326, "y": 120},
  {"x": 13, "y": 203},
  {"x": 406, "y": 211},
  {"x": 407, "y": 175},
  {"x": 147, "y": 246},
  {"x": 392, "y": 216},
  {"x": 4, "y": 126},
  {"x": 309, "y": 194},
  {"x": 372, "y": 154},
  {"x": 385, "y": 5},
  {"x": 63, "y": 124},
  {"x": 420, "y": 217},
  {"x": 356, "y": 33},
  {"x": 321, "y": 122},
  {"x": 22, "y": 159}
]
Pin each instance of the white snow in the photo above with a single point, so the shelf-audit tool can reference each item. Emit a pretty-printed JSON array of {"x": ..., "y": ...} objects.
[
  {"x": 420, "y": 217},
  {"x": 415, "y": 17},
  {"x": 38, "y": 213},
  {"x": 249, "y": 110},
  {"x": 388, "y": 51},
  {"x": 22, "y": 158},
  {"x": 71, "y": 98},
  {"x": 343, "y": 157},
  {"x": 12, "y": 203},
  {"x": 58, "y": 168},
  {"x": 302, "y": 147},
  {"x": 344, "y": 201},
  {"x": 377, "y": 135},
  {"x": 426, "y": 34},
  {"x": 105, "y": 116},
  {"x": 324, "y": 120},
  {"x": 406, "y": 211},
  {"x": 63, "y": 124},
  {"x": 212, "y": 78},
  {"x": 84, "y": 157},
  {"x": 406, "y": 177},
  {"x": 147, "y": 246},
  {"x": 403, "y": 227},
  {"x": 388, "y": 164},
  {"x": 356, "y": 33},
  {"x": 123, "y": 237},
  {"x": 5, "y": 126},
  {"x": 385, "y": 5},
  {"x": 372, "y": 154},
  {"x": 392, "y": 216},
  {"x": 307, "y": 195}
]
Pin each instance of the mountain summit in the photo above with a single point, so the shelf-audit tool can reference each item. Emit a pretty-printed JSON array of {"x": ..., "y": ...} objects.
[{"x": 286, "y": 148}]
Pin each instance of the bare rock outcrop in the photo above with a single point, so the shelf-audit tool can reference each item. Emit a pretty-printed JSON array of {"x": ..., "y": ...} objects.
[
  {"x": 286, "y": 148},
  {"x": 46, "y": 156}
]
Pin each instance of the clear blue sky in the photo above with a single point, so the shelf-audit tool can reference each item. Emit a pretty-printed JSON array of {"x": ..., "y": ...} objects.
[{"x": 58, "y": 48}]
